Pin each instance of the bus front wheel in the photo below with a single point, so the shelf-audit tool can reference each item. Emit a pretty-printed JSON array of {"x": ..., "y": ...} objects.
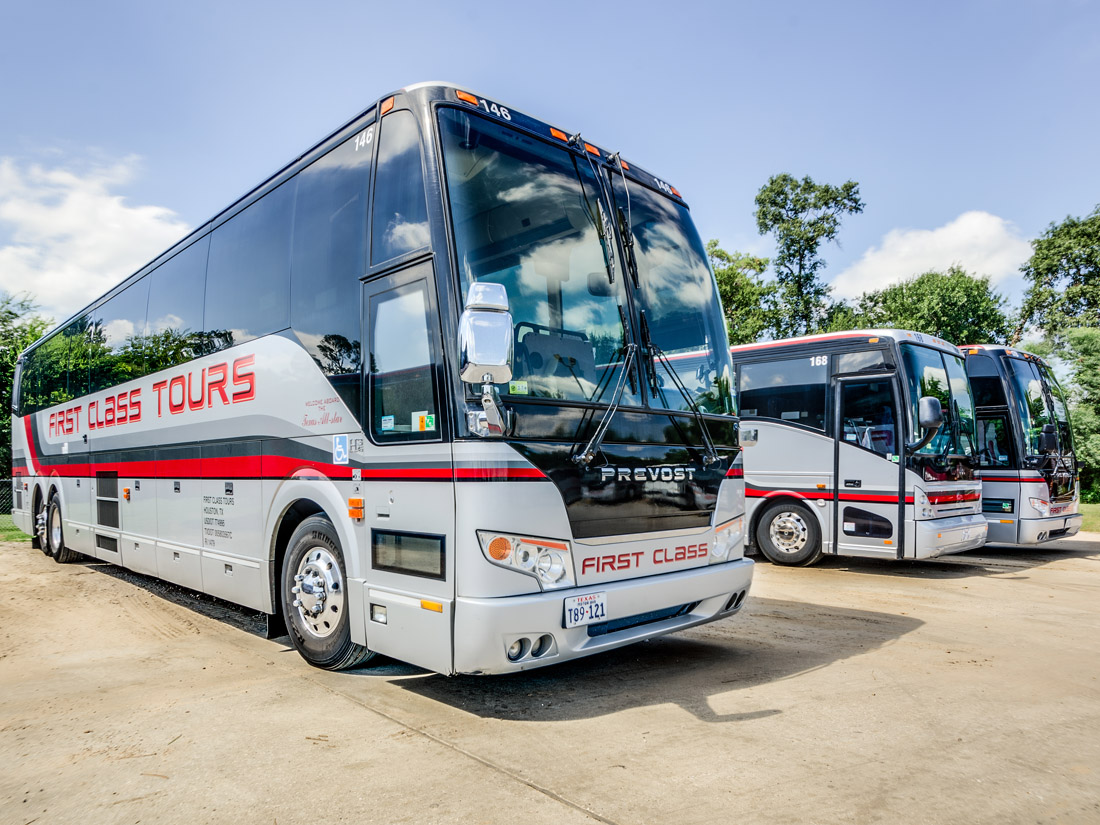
[
  {"x": 789, "y": 533},
  {"x": 314, "y": 595}
]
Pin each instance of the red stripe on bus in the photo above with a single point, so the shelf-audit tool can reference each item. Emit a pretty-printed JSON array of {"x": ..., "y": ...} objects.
[{"x": 735, "y": 472}]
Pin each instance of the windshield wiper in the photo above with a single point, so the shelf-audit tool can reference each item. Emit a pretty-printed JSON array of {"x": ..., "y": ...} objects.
[
  {"x": 710, "y": 455},
  {"x": 589, "y": 452}
]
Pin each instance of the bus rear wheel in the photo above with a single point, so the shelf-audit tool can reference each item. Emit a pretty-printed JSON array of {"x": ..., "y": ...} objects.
[
  {"x": 314, "y": 584},
  {"x": 55, "y": 533},
  {"x": 39, "y": 513},
  {"x": 789, "y": 534}
]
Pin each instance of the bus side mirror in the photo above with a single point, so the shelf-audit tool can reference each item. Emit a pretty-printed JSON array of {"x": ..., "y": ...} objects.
[
  {"x": 929, "y": 413},
  {"x": 929, "y": 419},
  {"x": 1048, "y": 440},
  {"x": 485, "y": 336}
]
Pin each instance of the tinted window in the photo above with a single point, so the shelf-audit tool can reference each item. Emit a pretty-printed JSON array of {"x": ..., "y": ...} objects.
[
  {"x": 401, "y": 377},
  {"x": 400, "y": 222},
  {"x": 790, "y": 390},
  {"x": 985, "y": 382},
  {"x": 869, "y": 361},
  {"x": 174, "y": 328},
  {"x": 116, "y": 338},
  {"x": 248, "y": 277},
  {"x": 328, "y": 260},
  {"x": 995, "y": 443},
  {"x": 81, "y": 355},
  {"x": 867, "y": 416}
]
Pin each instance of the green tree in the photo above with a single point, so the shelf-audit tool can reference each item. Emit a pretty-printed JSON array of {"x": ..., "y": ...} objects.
[
  {"x": 953, "y": 305},
  {"x": 747, "y": 300},
  {"x": 802, "y": 214},
  {"x": 20, "y": 325},
  {"x": 1064, "y": 271},
  {"x": 1084, "y": 351}
]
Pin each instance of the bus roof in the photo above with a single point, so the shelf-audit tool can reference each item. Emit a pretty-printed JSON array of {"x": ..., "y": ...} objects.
[
  {"x": 449, "y": 92},
  {"x": 871, "y": 336},
  {"x": 1016, "y": 352}
]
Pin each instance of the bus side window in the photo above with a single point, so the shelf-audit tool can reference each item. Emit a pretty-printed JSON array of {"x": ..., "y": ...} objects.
[
  {"x": 330, "y": 227},
  {"x": 248, "y": 276},
  {"x": 401, "y": 366},
  {"x": 116, "y": 340},
  {"x": 174, "y": 328},
  {"x": 791, "y": 390},
  {"x": 400, "y": 219}
]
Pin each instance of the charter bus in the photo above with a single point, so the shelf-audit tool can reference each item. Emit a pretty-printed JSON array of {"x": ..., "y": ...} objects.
[
  {"x": 858, "y": 444},
  {"x": 412, "y": 395},
  {"x": 1030, "y": 487}
]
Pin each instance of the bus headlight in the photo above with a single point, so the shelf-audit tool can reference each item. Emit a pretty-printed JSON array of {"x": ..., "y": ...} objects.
[
  {"x": 1042, "y": 505},
  {"x": 550, "y": 561},
  {"x": 727, "y": 539},
  {"x": 923, "y": 505}
]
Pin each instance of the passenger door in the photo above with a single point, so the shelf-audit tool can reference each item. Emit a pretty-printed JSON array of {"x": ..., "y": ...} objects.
[
  {"x": 868, "y": 474},
  {"x": 408, "y": 489}
]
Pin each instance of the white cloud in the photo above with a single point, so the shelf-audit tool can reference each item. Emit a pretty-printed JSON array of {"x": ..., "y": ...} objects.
[
  {"x": 981, "y": 243},
  {"x": 66, "y": 235}
]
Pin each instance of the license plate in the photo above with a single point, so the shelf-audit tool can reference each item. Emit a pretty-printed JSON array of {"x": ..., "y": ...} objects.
[{"x": 582, "y": 610}]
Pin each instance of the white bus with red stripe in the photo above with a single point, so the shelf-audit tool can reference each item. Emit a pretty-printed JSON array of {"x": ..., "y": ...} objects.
[
  {"x": 836, "y": 459},
  {"x": 1030, "y": 489},
  {"x": 413, "y": 395}
]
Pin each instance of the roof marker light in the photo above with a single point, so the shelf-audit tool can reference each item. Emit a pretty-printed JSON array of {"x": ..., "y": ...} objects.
[
  {"x": 466, "y": 97},
  {"x": 676, "y": 192},
  {"x": 558, "y": 133},
  {"x": 387, "y": 104},
  {"x": 872, "y": 340},
  {"x": 626, "y": 165},
  {"x": 592, "y": 149}
]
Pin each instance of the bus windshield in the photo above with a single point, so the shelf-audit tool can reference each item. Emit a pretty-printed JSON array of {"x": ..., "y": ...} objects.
[
  {"x": 1038, "y": 405},
  {"x": 943, "y": 376},
  {"x": 528, "y": 215},
  {"x": 677, "y": 294}
]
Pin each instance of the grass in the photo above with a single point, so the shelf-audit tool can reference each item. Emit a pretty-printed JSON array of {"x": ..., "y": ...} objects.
[
  {"x": 8, "y": 530},
  {"x": 1092, "y": 517}
]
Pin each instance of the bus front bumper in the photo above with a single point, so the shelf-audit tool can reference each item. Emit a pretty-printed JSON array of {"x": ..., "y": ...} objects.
[
  {"x": 954, "y": 534},
  {"x": 1039, "y": 530},
  {"x": 485, "y": 629}
]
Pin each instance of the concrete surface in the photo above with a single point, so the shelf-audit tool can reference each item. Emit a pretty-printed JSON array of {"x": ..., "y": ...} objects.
[{"x": 960, "y": 690}]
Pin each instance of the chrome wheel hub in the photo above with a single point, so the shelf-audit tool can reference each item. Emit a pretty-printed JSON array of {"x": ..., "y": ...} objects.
[
  {"x": 788, "y": 532},
  {"x": 55, "y": 529},
  {"x": 319, "y": 592}
]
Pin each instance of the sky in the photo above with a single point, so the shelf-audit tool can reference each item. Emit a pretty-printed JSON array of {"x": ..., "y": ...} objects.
[{"x": 969, "y": 126}]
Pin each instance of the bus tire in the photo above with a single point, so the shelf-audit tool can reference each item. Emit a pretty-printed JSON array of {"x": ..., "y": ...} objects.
[
  {"x": 55, "y": 533},
  {"x": 38, "y": 526},
  {"x": 789, "y": 533},
  {"x": 314, "y": 596}
]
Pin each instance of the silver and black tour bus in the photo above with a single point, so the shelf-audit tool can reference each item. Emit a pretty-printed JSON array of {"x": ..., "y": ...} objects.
[
  {"x": 1030, "y": 490},
  {"x": 858, "y": 444},
  {"x": 413, "y": 395}
]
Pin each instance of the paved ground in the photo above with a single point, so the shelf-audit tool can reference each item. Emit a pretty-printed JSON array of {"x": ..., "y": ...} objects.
[{"x": 962, "y": 690}]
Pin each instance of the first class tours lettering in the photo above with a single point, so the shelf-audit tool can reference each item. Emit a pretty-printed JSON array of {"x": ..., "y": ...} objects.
[{"x": 224, "y": 383}]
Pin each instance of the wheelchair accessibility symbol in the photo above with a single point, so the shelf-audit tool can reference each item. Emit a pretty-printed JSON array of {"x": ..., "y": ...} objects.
[{"x": 339, "y": 449}]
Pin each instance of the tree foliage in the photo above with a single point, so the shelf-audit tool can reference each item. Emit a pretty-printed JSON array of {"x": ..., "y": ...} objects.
[
  {"x": 748, "y": 302},
  {"x": 20, "y": 325},
  {"x": 953, "y": 305},
  {"x": 801, "y": 214},
  {"x": 1064, "y": 275}
]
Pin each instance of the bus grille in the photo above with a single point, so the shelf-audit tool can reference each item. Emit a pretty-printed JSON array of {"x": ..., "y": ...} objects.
[{"x": 627, "y": 622}]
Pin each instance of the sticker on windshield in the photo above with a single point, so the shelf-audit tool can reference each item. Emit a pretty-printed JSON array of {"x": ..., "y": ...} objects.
[
  {"x": 517, "y": 387},
  {"x": 422, "y": 421},
  {"x": 387, "y": 422}
]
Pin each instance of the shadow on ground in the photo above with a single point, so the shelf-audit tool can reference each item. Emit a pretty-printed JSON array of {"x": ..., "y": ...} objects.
[{"x": 771, "y": 640}]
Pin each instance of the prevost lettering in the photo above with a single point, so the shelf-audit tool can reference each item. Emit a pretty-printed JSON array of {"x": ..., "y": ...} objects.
[
  {"x": 197, "y": 390},
  {"x": 662, "y": 555},
  {"x": 647, "y": 474}
]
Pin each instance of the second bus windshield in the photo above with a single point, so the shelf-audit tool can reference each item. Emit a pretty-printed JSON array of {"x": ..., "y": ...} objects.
[{"x": 942, "y": 376}]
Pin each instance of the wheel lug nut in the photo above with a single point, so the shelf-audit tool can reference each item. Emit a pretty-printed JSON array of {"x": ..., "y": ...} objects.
[
  {"x": 295, "y": 590},
  {"x": 297, "y": 603}
]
